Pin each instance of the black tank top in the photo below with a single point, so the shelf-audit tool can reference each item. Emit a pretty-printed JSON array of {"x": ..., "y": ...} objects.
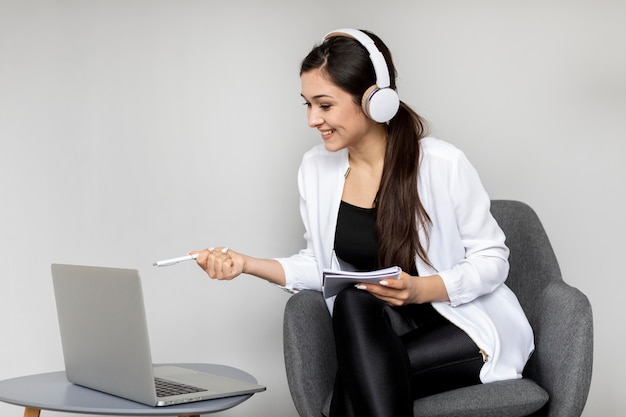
[{"x": 355, "y": 237}]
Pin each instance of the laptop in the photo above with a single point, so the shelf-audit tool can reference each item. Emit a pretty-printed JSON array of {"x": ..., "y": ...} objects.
[{"x": 104, "y": 335}]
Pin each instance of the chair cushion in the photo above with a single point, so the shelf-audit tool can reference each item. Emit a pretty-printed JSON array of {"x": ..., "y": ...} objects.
[{"x": 514, "y": 398}]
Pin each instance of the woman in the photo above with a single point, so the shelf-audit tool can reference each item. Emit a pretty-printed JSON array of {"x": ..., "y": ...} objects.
[{"x": 379, "y": 192}]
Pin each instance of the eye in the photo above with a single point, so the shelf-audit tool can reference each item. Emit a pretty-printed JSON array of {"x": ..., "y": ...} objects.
[
  {"x": 325, "y": 107},
  {"x": 306, "y": 103}
]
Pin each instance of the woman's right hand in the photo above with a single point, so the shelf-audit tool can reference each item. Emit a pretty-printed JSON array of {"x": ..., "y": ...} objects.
[{"x": 220, "y": 263}]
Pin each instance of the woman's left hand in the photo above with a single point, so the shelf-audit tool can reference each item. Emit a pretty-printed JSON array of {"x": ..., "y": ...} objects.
[{"x": 408, "y": 290}]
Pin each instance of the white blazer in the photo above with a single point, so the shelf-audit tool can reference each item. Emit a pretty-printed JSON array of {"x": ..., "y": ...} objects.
[{"x": 466, "y": 248}]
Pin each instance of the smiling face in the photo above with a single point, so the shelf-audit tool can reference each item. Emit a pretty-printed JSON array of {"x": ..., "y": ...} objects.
[{"x": 334, "y": 113}]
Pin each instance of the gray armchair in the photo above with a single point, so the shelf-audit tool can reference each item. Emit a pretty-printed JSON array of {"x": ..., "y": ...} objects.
[{"x": 556, "y": 379}]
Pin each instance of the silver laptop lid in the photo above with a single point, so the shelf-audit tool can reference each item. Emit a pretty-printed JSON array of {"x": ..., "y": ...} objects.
[{"x": 104, "y": 332}]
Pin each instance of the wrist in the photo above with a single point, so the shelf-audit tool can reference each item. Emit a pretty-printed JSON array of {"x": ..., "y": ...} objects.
[
  {"x": 244, "y": 264},
  {"x": 429, "y": 289},
  {"x": 418, "y": 290}
]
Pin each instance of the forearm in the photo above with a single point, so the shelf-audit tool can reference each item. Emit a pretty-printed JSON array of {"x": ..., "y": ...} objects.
[{"x": 267, "y": 269}]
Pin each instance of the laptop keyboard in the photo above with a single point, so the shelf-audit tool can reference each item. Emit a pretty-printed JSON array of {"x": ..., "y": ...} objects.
[{"x": 165, "y": 388}]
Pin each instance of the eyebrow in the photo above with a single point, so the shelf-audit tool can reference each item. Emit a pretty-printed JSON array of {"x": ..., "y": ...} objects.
[{"x": 317, "y": 97}]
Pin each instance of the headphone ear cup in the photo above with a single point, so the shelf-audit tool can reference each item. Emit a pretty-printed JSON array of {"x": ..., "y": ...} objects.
[{"x": 380, "y": 104}]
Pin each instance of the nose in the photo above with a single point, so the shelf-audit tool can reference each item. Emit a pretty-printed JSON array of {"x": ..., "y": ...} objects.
[{"x": 314, "y": 118}]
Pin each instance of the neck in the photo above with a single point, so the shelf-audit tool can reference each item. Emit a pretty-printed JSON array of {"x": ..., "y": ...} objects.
[{"x": 369, "y": 153}]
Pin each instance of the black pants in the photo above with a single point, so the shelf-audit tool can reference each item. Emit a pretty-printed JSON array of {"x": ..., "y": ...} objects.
[{"x": 389, "y": 356}]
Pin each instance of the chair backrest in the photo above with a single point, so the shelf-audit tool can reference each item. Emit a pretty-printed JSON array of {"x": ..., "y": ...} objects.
[
  {"x": 533, "y": 264},
  {"x": 560, "y": 315}
]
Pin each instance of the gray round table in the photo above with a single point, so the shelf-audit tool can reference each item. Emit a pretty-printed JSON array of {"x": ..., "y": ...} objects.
[{"x": 52, "y": 391}]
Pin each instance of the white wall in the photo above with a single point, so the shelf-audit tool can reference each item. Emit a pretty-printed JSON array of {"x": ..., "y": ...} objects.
[{"x": 138, "y": 130}]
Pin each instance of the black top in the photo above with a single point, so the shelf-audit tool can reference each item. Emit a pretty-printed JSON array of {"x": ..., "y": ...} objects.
[{"x": 355, "y": 237}]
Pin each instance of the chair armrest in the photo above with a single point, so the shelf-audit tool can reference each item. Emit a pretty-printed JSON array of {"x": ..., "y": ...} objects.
[
  {"x": 562, "y": 364},
  {"x": 309, "y": 349}
]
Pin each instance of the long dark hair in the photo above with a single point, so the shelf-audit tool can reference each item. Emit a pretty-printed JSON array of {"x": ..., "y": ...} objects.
[{"x": 399, "y": 211}]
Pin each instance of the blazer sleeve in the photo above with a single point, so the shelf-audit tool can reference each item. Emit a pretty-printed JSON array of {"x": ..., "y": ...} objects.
[{"x": 480, "y": 264}]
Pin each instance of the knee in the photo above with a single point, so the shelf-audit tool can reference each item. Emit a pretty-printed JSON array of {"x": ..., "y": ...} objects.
[
  {"x": 352, "y": 303},
  {"x": 349, "y": 297}
]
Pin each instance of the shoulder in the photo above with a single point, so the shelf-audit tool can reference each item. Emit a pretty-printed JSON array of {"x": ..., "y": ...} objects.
[
  {"x": 434, "y": 148},
  {"x": 437, "y": 154},
  {"x": 441, "y": 161}
]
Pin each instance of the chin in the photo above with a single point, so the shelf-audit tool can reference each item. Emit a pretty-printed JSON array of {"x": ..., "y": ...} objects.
[{"x": 333, "y": 147}]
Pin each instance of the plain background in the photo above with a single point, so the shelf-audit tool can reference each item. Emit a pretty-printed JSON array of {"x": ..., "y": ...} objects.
[{"x": 132, "y": 131}]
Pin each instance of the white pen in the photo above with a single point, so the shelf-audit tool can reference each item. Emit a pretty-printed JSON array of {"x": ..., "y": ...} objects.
[{"x": 173, "y": 261}]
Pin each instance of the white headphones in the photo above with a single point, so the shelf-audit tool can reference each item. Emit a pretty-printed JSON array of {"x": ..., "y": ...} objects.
[{"x": 380, "y": 102}]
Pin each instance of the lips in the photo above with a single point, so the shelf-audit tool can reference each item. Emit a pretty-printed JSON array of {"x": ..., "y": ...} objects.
[{"x": 327, "y": 133}]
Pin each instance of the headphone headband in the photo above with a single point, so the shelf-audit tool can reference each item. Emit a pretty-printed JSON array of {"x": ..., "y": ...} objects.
[{"x": 378, "y": 60}]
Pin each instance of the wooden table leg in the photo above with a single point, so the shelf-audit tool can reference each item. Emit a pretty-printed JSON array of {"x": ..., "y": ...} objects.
[{"x": 31, "y": 412}]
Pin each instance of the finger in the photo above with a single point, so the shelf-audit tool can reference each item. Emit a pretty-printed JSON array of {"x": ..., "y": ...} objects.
[
  {"x": 229, "y": 269},
  {"x": 202, "y": 255},
  {"x": 211, "y": 268},
  {"x": 398, "y": 284},
  {"x": 376, "y": 289},
  {"x": 392, "y": 301},
  {"x": 202, "y": 259},
  {"x": 221, "y": 253},
  {"x": 224, "y": 267},
  {"x": 393, "y": 296}
]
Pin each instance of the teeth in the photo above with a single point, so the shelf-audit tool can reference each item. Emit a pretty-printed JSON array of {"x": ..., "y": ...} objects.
[{"x": 326, "y": 132}]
